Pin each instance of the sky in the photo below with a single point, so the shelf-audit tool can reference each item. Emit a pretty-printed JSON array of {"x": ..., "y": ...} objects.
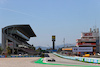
[{"x": 63, "y": 18}]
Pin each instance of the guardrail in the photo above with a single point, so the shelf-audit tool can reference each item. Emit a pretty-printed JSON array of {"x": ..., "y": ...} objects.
[
  {"x": 83, "y": 59},
  {"x": 2, "y": 56}
]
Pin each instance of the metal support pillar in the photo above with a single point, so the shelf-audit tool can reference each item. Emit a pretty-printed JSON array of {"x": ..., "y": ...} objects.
[{"x": 53, "y": 45}]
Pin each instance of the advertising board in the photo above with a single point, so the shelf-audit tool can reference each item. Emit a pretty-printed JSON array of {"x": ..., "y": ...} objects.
[
  {"x": 10, "y": 43},
  {"x": 90, "y": 35},
  {"x": 86, "y": 44},
  {"x": 82, "y": 49},
  {"x": 86, "y": 40},
  {"x": 53, "y": 38}
]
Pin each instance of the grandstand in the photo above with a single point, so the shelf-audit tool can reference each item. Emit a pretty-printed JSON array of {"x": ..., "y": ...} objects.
[{"x": 15, "y": 37}]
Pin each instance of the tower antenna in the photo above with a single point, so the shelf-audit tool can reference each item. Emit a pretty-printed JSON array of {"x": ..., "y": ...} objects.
[{"x": 95, "y": 24}]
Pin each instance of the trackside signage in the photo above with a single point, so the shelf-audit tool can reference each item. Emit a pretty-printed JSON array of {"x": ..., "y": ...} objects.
[
  {"x": 53, "y": 38},
  {"x": 10, "y": 43},
  {"x": 82, "y": 49},
  {"x": 89, "y": 34}
]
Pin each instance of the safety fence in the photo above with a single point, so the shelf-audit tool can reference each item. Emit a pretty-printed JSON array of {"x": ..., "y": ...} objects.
[{"x": 83, "y": 59}]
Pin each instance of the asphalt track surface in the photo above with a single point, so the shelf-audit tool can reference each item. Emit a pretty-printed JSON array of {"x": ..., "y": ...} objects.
[
  {"x": 24, "y": 62},
  {"x": 67, "y": 61},
  {"x": 29, "y": 62}
]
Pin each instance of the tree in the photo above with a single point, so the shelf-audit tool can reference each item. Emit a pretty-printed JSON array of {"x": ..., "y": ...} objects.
[
  {"x": 8, "y": 50},
  {"x": 39, "y": 49},
  {"x": 60, "y": 49},
  {"x": 0, "y": 50},
  {"x": 33, "y": 47},
  {"x": 49, "y": 49}
]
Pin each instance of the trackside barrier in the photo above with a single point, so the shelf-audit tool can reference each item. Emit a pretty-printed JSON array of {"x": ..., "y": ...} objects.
[
  {"x": 1, "y": 56},
  {"x": 84, "y": 59}
]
